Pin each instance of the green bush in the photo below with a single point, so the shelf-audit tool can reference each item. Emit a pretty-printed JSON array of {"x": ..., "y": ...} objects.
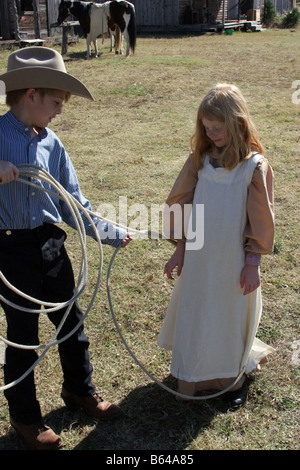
[{"x": 291, "y": 19}]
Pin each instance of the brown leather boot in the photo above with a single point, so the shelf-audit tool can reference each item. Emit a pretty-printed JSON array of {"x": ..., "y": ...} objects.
[
  {"x": 38, "y": 436},
  {"x": 93, "y": 405}
]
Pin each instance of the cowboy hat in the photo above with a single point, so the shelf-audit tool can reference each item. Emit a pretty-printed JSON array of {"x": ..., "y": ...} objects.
[{"x": 40, "y": 67}]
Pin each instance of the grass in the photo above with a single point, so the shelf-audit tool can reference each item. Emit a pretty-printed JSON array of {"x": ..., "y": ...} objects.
[{"x": 131, "y": 142}]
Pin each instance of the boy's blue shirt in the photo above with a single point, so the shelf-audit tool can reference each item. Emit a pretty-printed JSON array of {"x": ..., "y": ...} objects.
[{"x": 24, "y": 207}]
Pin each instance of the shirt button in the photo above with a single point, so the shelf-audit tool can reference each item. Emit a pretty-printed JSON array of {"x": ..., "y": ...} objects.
[
  {"x": 33, "y": 218},
  {"x": 33, "y": 193},
  {"x": 8, "y": 232}
]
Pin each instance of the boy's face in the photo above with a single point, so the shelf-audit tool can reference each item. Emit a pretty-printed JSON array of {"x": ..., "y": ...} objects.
[{"x": 45, "y": 108}]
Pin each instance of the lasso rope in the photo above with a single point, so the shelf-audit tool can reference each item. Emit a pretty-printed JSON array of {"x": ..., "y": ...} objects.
[{"x": 76, "y": 209}]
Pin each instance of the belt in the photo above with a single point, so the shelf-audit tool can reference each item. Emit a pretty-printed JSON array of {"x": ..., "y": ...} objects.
[
  {"x": 17, "y": 231},
  {"x": 18, "y": 234},
  {"x": 41, "y": 233}
]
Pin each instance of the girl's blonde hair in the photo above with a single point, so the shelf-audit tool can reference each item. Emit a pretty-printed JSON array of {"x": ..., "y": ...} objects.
[{"x": 225, "y": 103}]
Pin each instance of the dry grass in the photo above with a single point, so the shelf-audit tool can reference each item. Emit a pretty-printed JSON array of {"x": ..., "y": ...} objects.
[{"x": 131, "y": 142}]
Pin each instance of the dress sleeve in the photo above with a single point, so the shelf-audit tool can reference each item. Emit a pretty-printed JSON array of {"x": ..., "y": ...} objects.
[
  {"x": 180, "y": 200},
  {"x": 259, "y": 230}
]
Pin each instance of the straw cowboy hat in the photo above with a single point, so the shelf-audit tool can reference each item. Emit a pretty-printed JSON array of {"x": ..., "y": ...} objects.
[{"x": 40, "y": 67}]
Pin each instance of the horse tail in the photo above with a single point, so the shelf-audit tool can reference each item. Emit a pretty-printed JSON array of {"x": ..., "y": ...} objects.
[
  {"x": 118, "y": 38},
  {"x": 131, "y": 28}
]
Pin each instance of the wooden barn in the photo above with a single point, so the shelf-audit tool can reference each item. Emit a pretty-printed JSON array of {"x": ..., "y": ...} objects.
[
  {"x": 29, "y": 19},
  {"x": 166, "y": 13}
]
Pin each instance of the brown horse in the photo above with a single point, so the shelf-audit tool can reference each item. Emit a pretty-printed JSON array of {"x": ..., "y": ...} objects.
[{"x": 95, "y": 19}]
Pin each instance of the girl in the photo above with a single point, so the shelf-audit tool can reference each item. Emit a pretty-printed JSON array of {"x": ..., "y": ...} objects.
[{"x": 215, "y": 305}]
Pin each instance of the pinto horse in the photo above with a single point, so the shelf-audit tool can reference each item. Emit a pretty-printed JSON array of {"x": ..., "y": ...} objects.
[{"x": 97, "y": 19}]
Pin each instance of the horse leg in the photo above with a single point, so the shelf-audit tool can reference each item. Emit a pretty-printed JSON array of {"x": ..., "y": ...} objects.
[
  {"x": 126, "y": 33},
  {"x": 88, "y": 47},
  {"x": 122, "y": 40},
  {"x": 127, "y": 42},
  {"x": 96, "y": 48},
  {"x": 118, "y": 40},
  {"x": 112, "y": 37}
]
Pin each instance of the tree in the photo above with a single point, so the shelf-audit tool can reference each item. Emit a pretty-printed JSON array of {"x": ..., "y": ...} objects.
[{"x": 269, "y": 13}]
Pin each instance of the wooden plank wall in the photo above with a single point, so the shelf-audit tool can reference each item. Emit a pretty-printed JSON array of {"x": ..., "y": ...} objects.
[
  {"x": 183, "y": 6},
  {"x": 48, "y": 11},
  {"x": 52, "y": 16},
  {"x": 6, "y": 24},
  {"x": 156, "y": 12},
  {"x": 26, "y": 22}
]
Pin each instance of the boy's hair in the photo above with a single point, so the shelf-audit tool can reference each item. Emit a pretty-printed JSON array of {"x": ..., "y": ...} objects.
[
  {"x": 13, "y": 97},
  {"x": 225, "y": 103}
]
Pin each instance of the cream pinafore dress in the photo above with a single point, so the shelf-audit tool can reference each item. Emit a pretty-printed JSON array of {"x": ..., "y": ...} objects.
[{"x": 210, "y": 326}]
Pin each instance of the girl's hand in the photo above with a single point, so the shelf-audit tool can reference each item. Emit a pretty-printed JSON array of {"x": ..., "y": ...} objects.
[
  {"x": 250, "y": 278},
  {"x": 175, "y": 260},
  {"x": 8, "y": 172}
]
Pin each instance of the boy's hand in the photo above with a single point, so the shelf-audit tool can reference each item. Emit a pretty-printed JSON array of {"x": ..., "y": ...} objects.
[
  {"x": 126, "y": 240},
  {"x": 250, "y": 278},
  {"x": 8, "y": 172}
]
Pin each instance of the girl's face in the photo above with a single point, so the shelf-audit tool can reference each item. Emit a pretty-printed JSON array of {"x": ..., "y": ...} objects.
[{"x": 216, "y": 131}]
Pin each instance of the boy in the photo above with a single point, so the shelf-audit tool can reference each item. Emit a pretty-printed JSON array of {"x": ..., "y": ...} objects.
[{"x": 32, "y": 253}]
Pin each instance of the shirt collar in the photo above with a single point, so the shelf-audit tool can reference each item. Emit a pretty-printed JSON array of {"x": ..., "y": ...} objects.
[{"x": 22, "y": 127}]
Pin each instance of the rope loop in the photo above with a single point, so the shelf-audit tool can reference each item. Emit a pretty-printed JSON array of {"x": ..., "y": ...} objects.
[{"x": 30, "y": 171}]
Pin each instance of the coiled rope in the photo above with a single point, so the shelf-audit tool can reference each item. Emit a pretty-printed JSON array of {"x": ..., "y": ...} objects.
[{"x": 76, "y": 209}]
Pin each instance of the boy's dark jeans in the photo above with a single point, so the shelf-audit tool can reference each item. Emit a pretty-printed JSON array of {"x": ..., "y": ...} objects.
[{"x": 36, "y": 262}]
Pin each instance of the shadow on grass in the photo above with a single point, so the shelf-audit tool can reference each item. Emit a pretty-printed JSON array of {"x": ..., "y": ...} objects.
[
  {"x": 81, "y": 55},
  {"x": 152, "y": 419}
]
